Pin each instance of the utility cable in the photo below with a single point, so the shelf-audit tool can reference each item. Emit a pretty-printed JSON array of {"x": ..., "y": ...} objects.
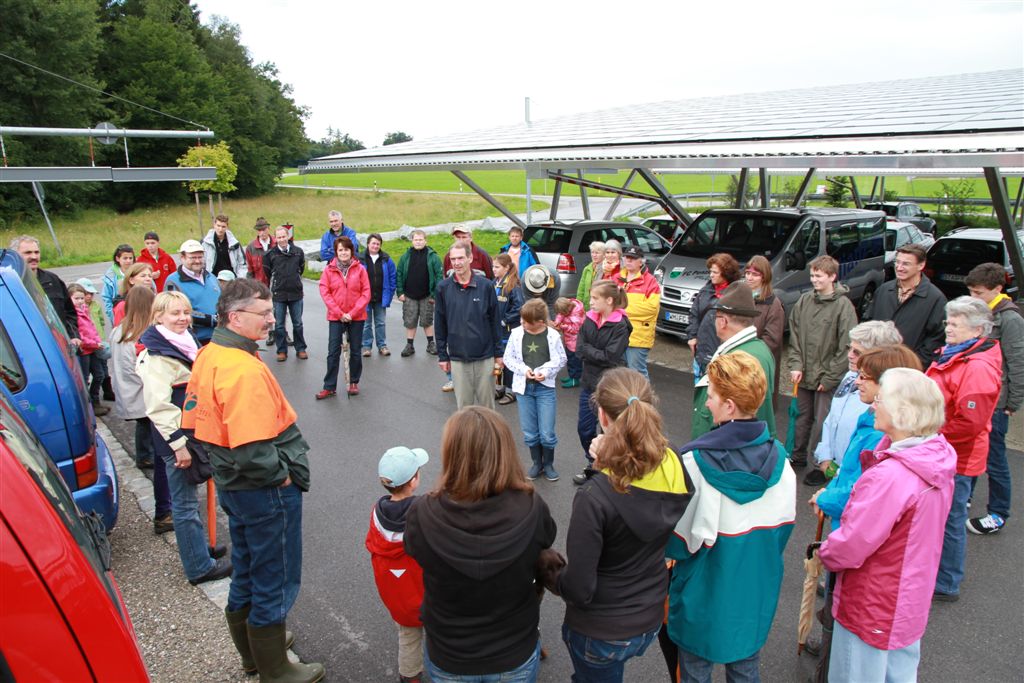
[{"x": 102, "y": 92}]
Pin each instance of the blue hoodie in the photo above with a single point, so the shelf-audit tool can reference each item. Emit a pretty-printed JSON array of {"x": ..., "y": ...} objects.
[{"x": 832, "y": 500}]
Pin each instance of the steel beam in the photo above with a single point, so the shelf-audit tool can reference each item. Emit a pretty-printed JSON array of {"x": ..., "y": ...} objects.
[
  {"x": 997, "y": 191},
  {"x": 555, "y": 198},
  {"x": 741, "y": 189},
  {"x": 618, "y": 195},
  {"x": 801, "y": 191},
  {"x": 33, "y": 131},
  {"x": 665, "y": 198},
  {"x": 81, "y": 174},
  {"x": 490, "y": 199},
  {"x": 594, "y": 185},
  {"x": 584, "y": 199},
  {"x": 37, "y": 190},
  {"x": 856, "y": 194},
  {"x": 874, "y": 188},
  {"x": 162, "y": 174},
  {"x": 762, "y": 175},
  {"x": 1016, "y": 204}
]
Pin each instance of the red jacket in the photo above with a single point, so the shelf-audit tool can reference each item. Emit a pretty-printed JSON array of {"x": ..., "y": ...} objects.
[
  {"x": 254, "y": 253},
  {"x": 399, "y": 578},
  {"x": 344, "y": 294},
  {"x": 481, "y": 262},
  {"x": 970, "y": 382},
  {"x": 163, "y": 265}
]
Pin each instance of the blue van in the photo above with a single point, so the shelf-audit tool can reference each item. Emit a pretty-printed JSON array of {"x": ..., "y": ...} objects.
[{"x": 42, "y": 379}]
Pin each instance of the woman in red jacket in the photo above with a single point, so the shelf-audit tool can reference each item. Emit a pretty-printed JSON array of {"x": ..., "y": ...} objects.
[
  {"x": 968, "y": 370},
  {"x": 345, "y": 289}
]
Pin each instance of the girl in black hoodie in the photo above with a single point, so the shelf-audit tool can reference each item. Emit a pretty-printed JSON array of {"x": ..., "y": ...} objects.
[{"x": 477, "y": 537}]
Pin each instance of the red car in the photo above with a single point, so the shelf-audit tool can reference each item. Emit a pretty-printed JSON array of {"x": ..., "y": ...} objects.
[{"x": 62, "y": 617}]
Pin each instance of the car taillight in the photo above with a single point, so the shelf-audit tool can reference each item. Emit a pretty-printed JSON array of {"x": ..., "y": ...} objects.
[
  {"x": 85, "y": 468},
  {"x": 566, "y": 264}
]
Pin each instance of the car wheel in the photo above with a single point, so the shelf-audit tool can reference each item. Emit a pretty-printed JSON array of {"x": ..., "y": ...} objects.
[{"x": 866, "y": 300}]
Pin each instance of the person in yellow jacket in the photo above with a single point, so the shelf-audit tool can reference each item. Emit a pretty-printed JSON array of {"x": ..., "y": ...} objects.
[
  {"x": 643, "y": 296},
  {"x": 258, "y": 455}
]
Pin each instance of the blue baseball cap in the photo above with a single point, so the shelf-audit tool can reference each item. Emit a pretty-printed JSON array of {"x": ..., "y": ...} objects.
[{"x": 400, "y": 464}]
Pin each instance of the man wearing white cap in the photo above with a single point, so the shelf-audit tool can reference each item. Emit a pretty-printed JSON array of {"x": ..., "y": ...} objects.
[{"x": 201, "y": 288}]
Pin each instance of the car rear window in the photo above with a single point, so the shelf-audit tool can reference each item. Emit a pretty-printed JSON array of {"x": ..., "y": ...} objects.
[
  {"x": 970, "y": 252},
  {"x": 889, "y": 209},
  {"x": 546, "y": 239}
]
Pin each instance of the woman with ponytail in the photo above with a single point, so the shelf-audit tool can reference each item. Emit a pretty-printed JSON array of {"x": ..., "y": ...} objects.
[{"x": 616, "y": 581}]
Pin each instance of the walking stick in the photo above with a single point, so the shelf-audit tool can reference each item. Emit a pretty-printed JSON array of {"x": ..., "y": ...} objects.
[
  {"x": 211, "y": 512},
  {"x": 345, "y": 361}
]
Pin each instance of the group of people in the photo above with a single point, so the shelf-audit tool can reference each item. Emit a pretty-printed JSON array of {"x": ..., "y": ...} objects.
[{"x": 902, "y": 412}]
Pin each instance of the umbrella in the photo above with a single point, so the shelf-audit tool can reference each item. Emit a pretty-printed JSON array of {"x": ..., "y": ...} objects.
[
  {"x": 812, "y": 569},
  {"x": 794, "y": 413}
]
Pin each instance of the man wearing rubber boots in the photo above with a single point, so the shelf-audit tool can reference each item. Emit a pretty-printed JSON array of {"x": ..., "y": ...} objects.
[{"x": 259, "y": 462}]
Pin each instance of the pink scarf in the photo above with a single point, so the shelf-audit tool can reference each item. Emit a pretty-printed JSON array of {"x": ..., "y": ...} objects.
[{"x": 184, "y": 342}]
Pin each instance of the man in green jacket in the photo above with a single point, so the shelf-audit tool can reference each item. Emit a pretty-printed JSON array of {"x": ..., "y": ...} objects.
[
  {"x": 734, "y": 322},
  {"x": 419, "y": 271}
]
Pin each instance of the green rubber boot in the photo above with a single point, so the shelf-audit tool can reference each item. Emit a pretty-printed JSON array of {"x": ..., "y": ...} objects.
[
  {"x": 240, "y": 636},
  {"x": 269, "y": 649}
]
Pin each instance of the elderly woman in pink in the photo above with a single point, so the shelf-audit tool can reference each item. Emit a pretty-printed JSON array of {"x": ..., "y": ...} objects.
[{"x": 886, "y": 553}]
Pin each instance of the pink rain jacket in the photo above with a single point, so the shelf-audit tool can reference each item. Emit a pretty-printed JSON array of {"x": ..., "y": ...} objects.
[
  {"x": 887, "y": 548},
  {"x": 345, "y": 294}
]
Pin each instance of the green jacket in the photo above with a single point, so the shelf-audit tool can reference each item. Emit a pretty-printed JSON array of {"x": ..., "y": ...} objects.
[
  {"x": 435, "y": 269},
  {"x": 586, "y": 281},
  {"x": 746, "y": 340},
  {"x": 819, "y": 332}
]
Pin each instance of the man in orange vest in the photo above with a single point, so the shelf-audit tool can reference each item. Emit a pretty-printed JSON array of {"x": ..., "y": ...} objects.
[{"x": 258, "y": 455}]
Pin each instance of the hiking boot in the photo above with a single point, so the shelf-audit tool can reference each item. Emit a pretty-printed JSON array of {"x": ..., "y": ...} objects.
[
  {"x": 448, "y": 387},
  {"x": 432, "y": 348},
  {"x": 408, "y": 350},
  {"x": 282, "y": 357},
  {"x": 221, "y": 568},
  {"x": 367, "y": 353},
  {"x": 269, "y": 648},
  {"x": 815, "y": 478},
  {"x": 325, "y": 393},
  {"x": 989, "y": 524},
  {"x": 302, "y": 355},
  {"x": 161, "y": 525},
  {"x": 353, "y": 389}
]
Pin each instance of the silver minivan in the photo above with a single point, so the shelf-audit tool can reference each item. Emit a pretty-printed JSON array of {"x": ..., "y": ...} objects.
[{"x": 789, "y": 238}]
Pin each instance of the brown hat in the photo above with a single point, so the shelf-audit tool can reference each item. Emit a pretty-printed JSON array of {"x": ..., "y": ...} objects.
[
  {"x": 737, "y": 299},
  {"x": 261, "y": 223}
]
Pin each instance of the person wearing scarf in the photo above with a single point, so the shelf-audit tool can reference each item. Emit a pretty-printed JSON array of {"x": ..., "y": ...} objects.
[{"x": 702, "y": 338}]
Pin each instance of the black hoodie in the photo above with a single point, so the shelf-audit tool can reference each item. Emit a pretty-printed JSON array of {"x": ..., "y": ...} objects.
[{"x": 480, "y": 605}]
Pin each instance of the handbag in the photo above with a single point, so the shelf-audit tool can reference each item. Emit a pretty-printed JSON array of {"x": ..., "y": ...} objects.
[{"x": 200, "y": 470}]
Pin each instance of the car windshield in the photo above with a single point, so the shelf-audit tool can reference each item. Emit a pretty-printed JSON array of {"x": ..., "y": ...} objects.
[
  {"x": 741, "y": 235},
  {"x": 970, "y": 252},
  {"x": 889, "y": 209},
  {"x": 548, "y": 239}
]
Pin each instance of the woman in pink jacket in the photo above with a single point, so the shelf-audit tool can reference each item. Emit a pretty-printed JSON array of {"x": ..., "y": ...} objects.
[
  {"x": 345, "y": 289},
  {"x": 969, "y": 372},
  {"x": 886, "y": 552}
]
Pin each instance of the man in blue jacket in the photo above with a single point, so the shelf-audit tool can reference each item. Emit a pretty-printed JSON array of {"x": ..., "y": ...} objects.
[
  {"x": 337, "y": 229},
  {"x": 468, "y": 330},
  {"x": 201, "y": 288}
]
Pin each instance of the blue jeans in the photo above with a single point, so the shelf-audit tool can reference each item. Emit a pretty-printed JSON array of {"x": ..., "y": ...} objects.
[
  {"x": 854, "y": 660},
  {"x": 586, "y": 423},
  {"x": 355, "y": 359},
  {"x": 636, "y": 359},
  {"x": 266, "y": 550},
  {"x": 193, "y": 544},
  {"x": 375, "y": 313},
  {"x": 998, "y": 470},
  {"x": 524, "y": 673},
  {"x": 92, "y": 365},
  {"x": 573, "y": 364},
  {"x": 695, "y": 669},
  {"x": 602, "y": 661},
  {"x": 537, "y": 412},
  {"x": 954, "y": 543},
  {"x": 294, "y": 309},
  {"x": 143, "y": 452}
]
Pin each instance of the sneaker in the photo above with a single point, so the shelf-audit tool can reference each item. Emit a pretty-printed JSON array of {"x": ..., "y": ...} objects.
[
  {"x": 432, "y": 348},
  {"x": 221, "y": 568},
  {"x": 325, "y": 393},
  {"x": 580, "y": 479},
  {"x": 989, "y": 524},
  {"x": 945, "y": 597},
  {"x": 569, "y": 383},
  {"x": 367, "y": 353},
  {"x": 408, "y": 351},
  {"x": 448, "y": 387},
  {"x": 815, "y": 478},
  {"x": 161, "y": 525}
]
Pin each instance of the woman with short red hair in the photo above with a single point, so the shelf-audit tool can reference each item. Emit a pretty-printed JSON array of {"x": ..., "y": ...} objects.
[{"x": 723, "y": 270}]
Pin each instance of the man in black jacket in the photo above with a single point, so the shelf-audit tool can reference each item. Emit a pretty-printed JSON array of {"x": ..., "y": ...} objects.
[
  {"x": 54, "y": 288},
  {"x": 913, "y": 304},
  {"x": 467, "y": 330},
  {"x": 283, "y": 265}
]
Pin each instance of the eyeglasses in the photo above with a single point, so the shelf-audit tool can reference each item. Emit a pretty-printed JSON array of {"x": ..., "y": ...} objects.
[
  {"x": 269, "y": 313},
  {"x": 865, "y": 378}
]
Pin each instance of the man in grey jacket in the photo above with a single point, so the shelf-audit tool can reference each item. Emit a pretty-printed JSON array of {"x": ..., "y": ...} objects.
[{"x": 223, "y": 251}]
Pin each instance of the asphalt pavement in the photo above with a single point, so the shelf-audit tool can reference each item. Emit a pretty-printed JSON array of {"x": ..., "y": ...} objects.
[{"x": 339, "y": 620}]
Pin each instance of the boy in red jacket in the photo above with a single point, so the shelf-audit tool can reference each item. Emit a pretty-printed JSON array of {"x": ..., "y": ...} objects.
[{"x": 399, "y": 578}]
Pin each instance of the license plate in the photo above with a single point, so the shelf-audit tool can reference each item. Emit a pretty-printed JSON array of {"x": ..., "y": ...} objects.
[
  {"x": 954, "y": 278},
  {"x": 680, "y": 318}
]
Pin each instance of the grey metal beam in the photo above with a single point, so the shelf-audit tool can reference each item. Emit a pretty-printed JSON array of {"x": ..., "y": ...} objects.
[
  {"x": 610, "y": 213},
  {"x": 671, "y": 206},
  {"x": 1016, "y": 204},
  {"x": 489, "y": 199},
  {"x": 32, "y": 131},
  {"x": 594, "y": 185},
  {"x": 37, "y": 190},
  {"x": 997, "y": 191},
  {"x": 741, "y": 189},
  {"x": 856, "y": 193},
  {"x": 801, "y": 191},
  {"x": 80, "y": 174},
  {"x": 555, "y": 198},
  {"x": 584, "y": 199},
  {"x": 162, "y": 174},
  {"x": 762, "y": 175},
  {"x": 874, "y": 188},
  {"x": 881, "y": 190}
]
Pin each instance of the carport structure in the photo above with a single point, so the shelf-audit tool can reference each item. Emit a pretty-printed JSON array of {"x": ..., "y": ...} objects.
[{"x": 944, "y": 126}]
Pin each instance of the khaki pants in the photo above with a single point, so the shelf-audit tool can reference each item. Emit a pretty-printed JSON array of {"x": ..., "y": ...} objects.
[
  {"x": 410, "y": 650},
  {"x": 474, "y": 383}
]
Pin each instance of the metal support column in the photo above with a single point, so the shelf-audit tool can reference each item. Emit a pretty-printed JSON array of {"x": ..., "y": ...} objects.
[
  {"x": 489, "y": 199},
  {"x": 37, "y": 190},
  {"x": 741, "y": 189},
  {"x": 672, "y": 207},
  {"x": 1016, "y": 204},
  {"x": 1001, "y": 206},
  {"x": 584, "y": 198},
  {"x": 554, "y": 200},
  {"x": 801, "y": 191},
  {"x": 856, "y": 193},
  {"x": 874, "y": 187},
  {"x": 618, "y": 197},
  {"x": 881, "y": 190},
  {"x": 762, "y": 174}
]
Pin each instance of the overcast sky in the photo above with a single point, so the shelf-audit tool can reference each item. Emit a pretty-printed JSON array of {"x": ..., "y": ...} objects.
[{"x": 429, "y": 69}]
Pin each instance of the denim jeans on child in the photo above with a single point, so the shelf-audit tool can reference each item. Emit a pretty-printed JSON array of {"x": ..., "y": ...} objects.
[
  {"x": 266, "y": 550},
  {"x": 586, "y": 423},
  {"x": 573, "y": 364},
  {"x": 537, "y": 410},
  {"x": 602, "y": 661},
  {"x": 374, "y": 327},
  {"x": 524, "y": 673},
  {"x": 954, "y": 543}
]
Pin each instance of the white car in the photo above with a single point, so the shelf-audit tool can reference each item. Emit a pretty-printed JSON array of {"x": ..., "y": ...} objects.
[{"x": 898, "y": 234}]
